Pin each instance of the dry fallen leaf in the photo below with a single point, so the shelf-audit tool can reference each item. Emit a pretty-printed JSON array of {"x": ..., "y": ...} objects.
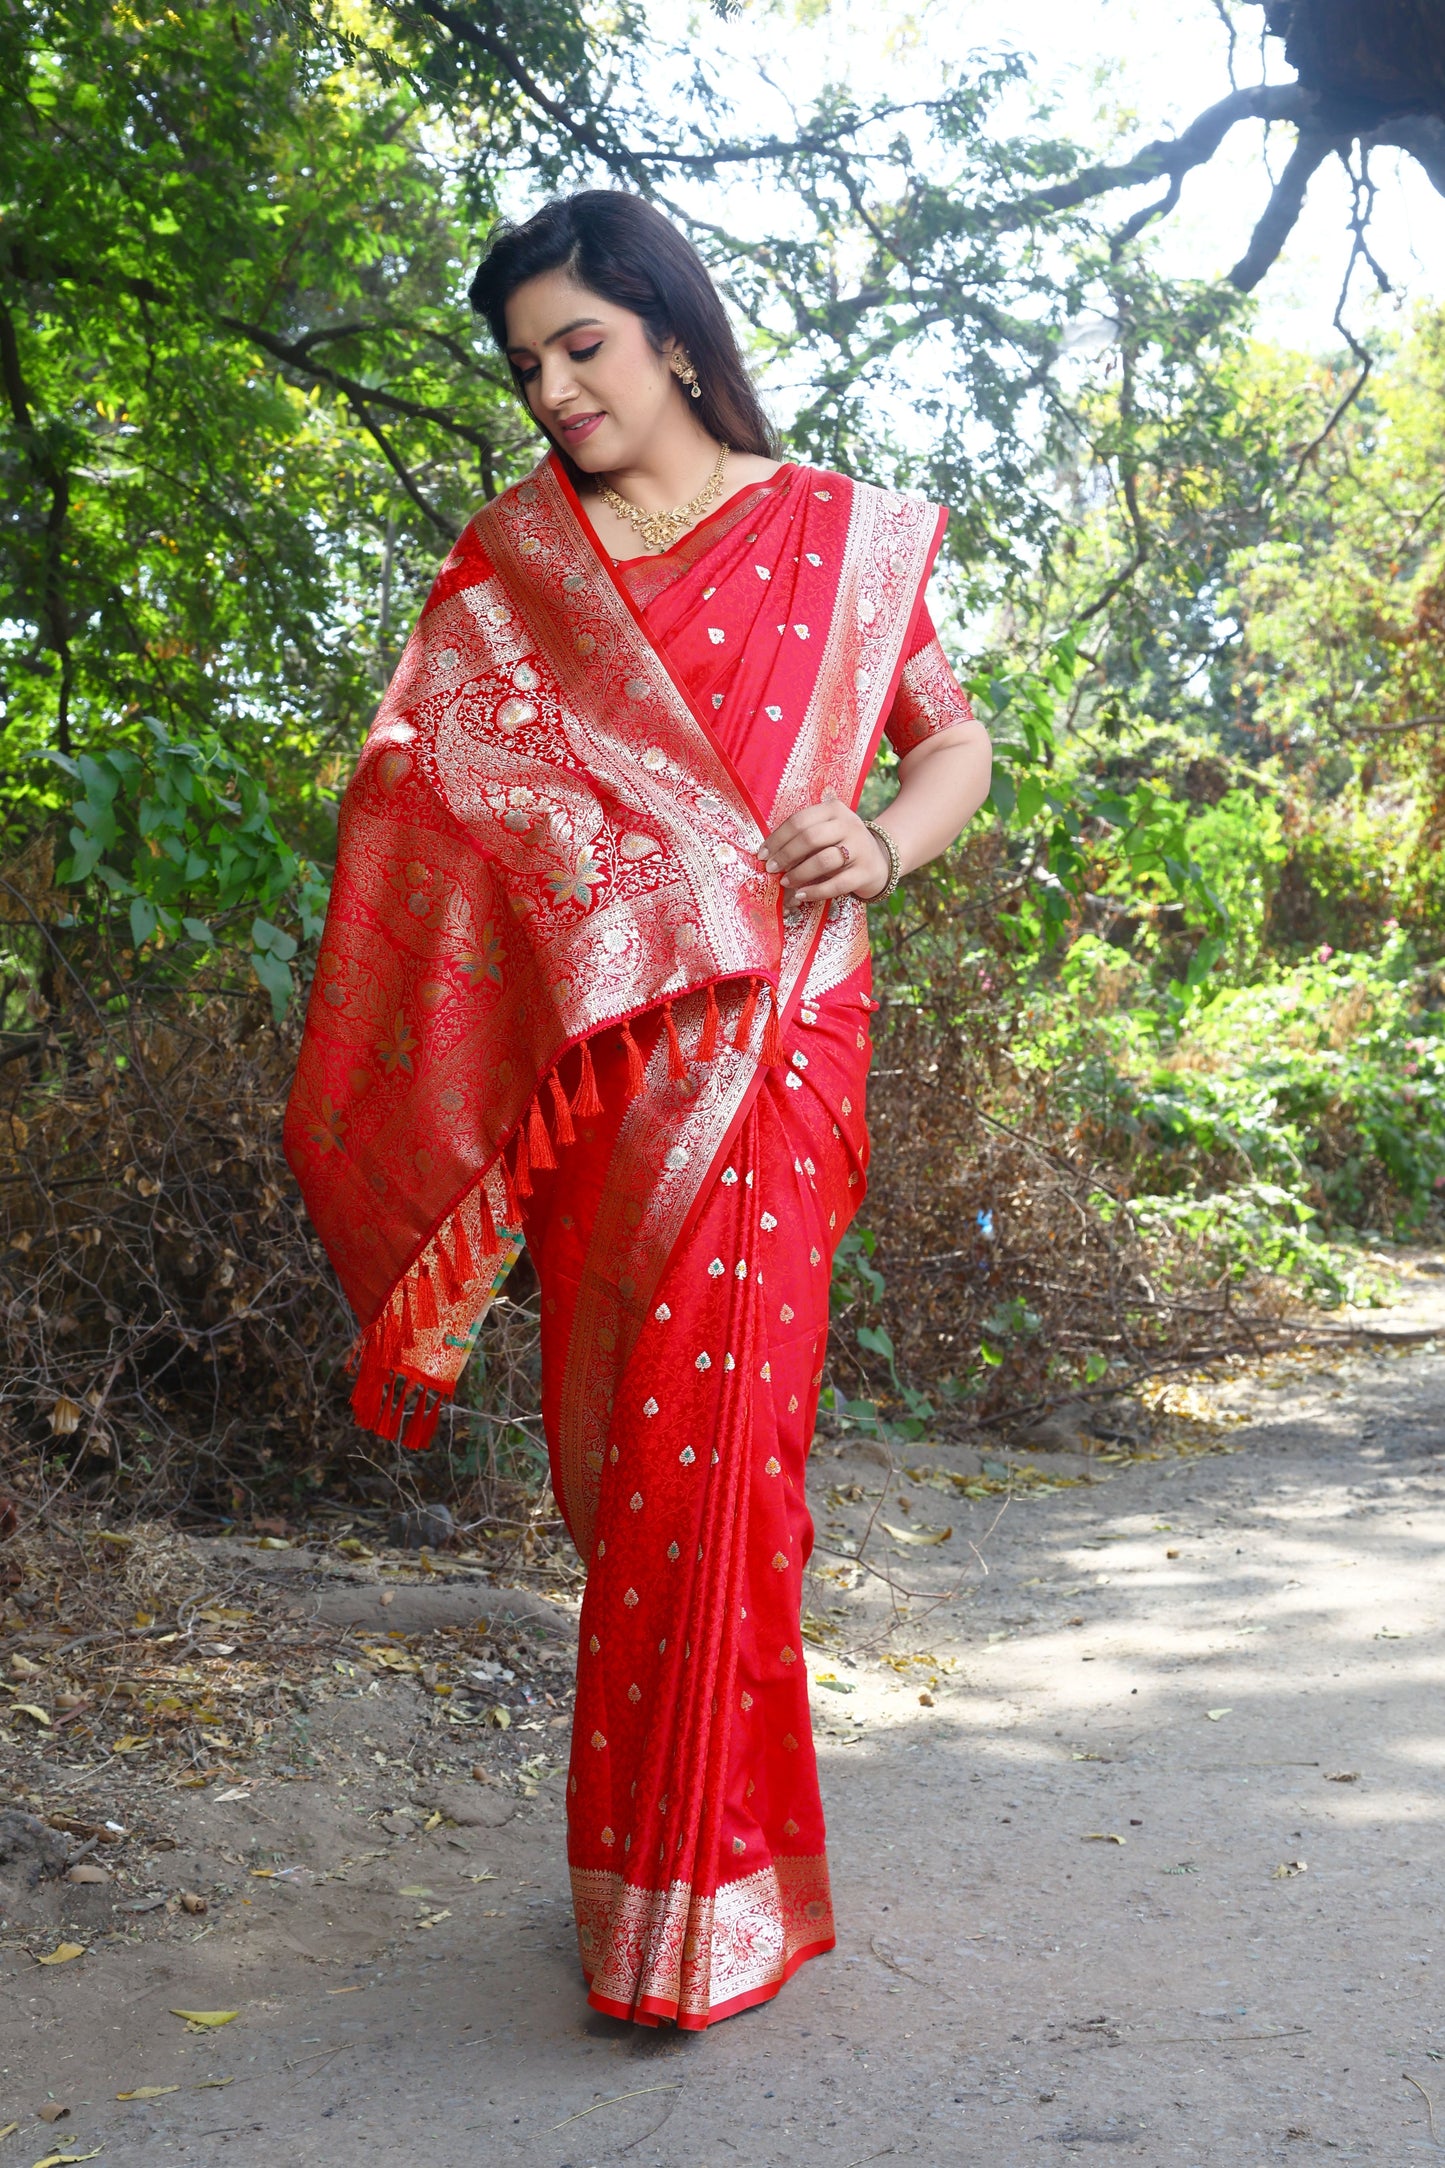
[
  {"x": 1102, "y": 1836},
  {"x": 53, "y": 2111},
  {"x": 272, "y": 1543},
  {"x": 1215, "y": 1714},
  {"x": 917, "y": 1535},
  {"x": 193, "y": 1903},
  {"x": 148, "y": 2092},
  {"x": 85, "y": 1872},
  {"x": 64, "y": 2160},
  {"x": 28, "y": 1708},
  {"x": 62, "y": 1953},
  {"x": 211, "y": 2085},
  {"x": 9, "y": 2130},
  {"x": 206, "y": 2019},
  {"x": 1288, "y": 1867},
  {"x": 1343, "y": 1776}
]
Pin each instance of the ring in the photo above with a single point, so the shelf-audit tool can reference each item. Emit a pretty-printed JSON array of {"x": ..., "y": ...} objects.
[{"x": 847, "y": 854}]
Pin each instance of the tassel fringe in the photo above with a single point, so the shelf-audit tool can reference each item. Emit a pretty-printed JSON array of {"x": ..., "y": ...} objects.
[
  {"x": 588, "y": 1100},
  {"x": 385, "y": 1400},
  {"x": 744, "y": 1030},
  {"x": 636, "y": 1078},
  {"x": 676, "y": 1063},
  {"x": 521, "y": 1165},
  {"x": 561, "y": 1112},
  {"x": 539, "y": 1144},
  {"x": 707, "y": 1037},
  {"x": 773, "y": 1035}
]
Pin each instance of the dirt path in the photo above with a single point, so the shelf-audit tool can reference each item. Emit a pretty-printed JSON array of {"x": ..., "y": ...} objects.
[{"x": 1231, "y": 1662}]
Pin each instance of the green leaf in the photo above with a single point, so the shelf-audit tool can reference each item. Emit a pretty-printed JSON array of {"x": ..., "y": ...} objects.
[
  {"x": 142, "y": 920},
  {"x": 1002, "y": 796},
  {"x": 275, "y": 976},
  {"x": 269, "y": 937}
]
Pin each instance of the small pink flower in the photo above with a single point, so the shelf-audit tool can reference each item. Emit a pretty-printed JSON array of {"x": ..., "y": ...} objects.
[
  {"x": 1412, "y": 1068},
  {"x": 1392, "y": 925},
  {"x": 1323, "y": 953}
]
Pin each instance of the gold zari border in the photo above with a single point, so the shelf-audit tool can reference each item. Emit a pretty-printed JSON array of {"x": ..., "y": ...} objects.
[{"x": 697, "y": 1953}]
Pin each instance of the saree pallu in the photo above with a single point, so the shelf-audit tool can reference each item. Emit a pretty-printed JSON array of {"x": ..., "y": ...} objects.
[{"x": 559, "y": 1000}]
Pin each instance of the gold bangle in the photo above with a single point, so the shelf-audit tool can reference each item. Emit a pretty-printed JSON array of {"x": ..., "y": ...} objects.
[{"x": 895, "y": 862}]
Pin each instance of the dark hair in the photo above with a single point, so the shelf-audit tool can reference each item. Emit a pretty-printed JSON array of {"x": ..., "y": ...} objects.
[{"x": 620, "y": 248}]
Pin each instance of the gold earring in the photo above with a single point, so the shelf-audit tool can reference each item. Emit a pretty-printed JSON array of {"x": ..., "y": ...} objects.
[{"x": 683, "y": 369}]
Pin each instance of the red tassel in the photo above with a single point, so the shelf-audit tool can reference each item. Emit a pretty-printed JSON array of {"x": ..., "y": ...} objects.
[
  {"x": 421, "y": 1429},
  {"x": 366, "y": 1399},
  {"x": 539, "y": 1144},
  {"x": 426, "y": 1301},
  {"x": 393, "y": 1400},
  {"x": 561, "y": 1112},
  {"x": 636, "y": 1077},
  {"x": 447, "y": 1272},
  {"x": 486, "y": 1227},
  {"x": 773, "y": 1037},
  {"x": 408, "y": 1327},
  {"x": 707, "y": 1038},
  {"x": 676, "y": 1065},
  {"x": 587, "y": 1101},
  {"x": 509, "y": 1196},
  {"x": 521, "y": 1165},
  {"x": 744, "y": 1030}
]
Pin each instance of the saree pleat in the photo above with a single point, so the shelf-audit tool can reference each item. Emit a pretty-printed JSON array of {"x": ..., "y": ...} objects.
[{"x": 696, "y": 1832}]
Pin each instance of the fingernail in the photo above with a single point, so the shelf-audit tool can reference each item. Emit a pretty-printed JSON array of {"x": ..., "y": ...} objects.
[
  {"x": 784, "y": 883},
  {"x": 772, "y": 865}
]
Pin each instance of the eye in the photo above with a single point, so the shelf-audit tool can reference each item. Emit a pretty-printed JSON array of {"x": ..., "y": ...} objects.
[
  {"x": 584, "y": 353},
  {"x": 525, "y": 376}
]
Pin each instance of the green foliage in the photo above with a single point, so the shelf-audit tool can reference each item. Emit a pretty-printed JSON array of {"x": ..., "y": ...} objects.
[
  {"x": 1309, "y": 1102},
  {"x": 175, "y": 843}
]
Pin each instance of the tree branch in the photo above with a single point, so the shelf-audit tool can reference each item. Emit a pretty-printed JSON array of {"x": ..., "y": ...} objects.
[
  {"x": 1281, "y": 213},
  {"x": 53, "y": 611},
  {"x": 1421, "y": 134},
  {"x": 294, "y": 353},
  {"x": 1169, "y": 156},
  {"x": 1395, "y": 730},
  {"x": 402, "y": 472}
]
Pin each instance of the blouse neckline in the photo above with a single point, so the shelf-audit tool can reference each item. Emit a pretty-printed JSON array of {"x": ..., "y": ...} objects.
[{"x": 657, "y": 557}]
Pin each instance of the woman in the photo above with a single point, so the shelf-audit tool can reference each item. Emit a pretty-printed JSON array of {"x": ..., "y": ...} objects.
[{"x": 595, "y": 977}]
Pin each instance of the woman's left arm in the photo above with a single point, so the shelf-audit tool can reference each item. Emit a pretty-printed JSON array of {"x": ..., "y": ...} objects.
[{"x": 825, "y": 850}]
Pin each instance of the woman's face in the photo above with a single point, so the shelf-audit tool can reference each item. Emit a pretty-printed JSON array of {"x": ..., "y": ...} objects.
[{"x": 591, "y": 376}]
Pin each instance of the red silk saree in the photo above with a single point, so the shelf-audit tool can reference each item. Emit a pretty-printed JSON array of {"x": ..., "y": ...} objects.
[{"x": 559, "y": 1001}]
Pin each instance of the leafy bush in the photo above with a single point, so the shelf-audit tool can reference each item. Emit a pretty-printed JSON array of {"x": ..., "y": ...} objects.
[{"x": 174, "y": 844}]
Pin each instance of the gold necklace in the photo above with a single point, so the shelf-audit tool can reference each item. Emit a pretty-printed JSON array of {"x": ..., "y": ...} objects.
[{"x": 659, "y": 530}]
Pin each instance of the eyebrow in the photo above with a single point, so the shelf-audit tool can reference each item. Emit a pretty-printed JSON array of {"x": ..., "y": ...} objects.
[{"x": 578, "y": 323}]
